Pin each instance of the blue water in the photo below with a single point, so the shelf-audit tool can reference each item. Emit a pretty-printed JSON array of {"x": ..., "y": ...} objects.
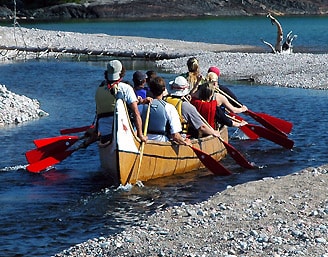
[{"x": 43, "y": 214}]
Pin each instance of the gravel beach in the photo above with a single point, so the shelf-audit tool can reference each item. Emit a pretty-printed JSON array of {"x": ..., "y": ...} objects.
[{"x": 284, "y": 216}]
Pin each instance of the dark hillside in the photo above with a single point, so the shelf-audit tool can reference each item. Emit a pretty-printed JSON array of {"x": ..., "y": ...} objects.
[{"x": 146, "y": 9}]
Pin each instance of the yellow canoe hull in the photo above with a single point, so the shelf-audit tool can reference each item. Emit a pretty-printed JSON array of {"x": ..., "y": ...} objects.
[{"x": 160, "y": 159}]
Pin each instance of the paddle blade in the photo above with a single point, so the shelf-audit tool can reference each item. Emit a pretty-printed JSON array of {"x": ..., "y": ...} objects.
[
  {"x": 75, "y": 130},
  {"x": 283, "y": 125},
  {"x": 272, "y": 136},
  {"x": 237, "y": 156},
  {"x": 43, "y": 164},
  {"x": 210, "y": 163},
  {"x": 265, "y": 122},
  {"x": 55, "y": 140},
  {"x": 47, "y": 149}
]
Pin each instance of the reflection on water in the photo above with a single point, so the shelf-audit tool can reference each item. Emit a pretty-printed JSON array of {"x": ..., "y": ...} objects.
[{"x": 48, "y": 212}]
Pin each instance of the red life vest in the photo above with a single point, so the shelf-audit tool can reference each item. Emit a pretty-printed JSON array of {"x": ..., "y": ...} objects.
[{"x": 206, "y": 109}]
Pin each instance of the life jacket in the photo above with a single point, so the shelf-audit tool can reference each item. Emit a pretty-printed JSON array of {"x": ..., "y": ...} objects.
[
  {"x": 177, "y": 102},
  {"x": 106, "y": 99},
  {"x": 206, "y": 109},
  {"x": 158, "y": 122}
]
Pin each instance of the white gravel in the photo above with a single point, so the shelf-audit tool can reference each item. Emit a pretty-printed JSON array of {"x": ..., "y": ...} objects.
[{"x": 273, "y": 217}]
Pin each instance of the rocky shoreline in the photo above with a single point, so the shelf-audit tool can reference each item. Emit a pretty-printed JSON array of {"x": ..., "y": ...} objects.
[
  {"x": 16, "y": 108},
  {"x": 273, "y": 217},
  {"x": 278, "y": 217}
]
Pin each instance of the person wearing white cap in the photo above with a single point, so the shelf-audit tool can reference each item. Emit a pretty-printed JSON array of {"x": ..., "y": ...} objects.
[
  {"x": 109, "y": 90},
  {"x": 190, "y": 118}
]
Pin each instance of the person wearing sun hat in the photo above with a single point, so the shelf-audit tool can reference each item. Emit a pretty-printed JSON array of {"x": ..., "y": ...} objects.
[
  {"x": 108, "y": 91},
  {"x": 190, "y": 118}
]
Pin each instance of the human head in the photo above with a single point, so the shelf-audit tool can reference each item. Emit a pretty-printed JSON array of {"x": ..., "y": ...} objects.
[
  {"x": 215, "y": 70},
  {"x": 114, "y": 69},
  {"x": 212, "y": 77},
  {"x": 157, "y": 86},
  {"x": 205, "y": 91},
  {"x": 150, "y": 75},
  {"x": 179, "y": 86},
  {"x": 139, "y": 78},
  {"x": 193, "y": 65}
]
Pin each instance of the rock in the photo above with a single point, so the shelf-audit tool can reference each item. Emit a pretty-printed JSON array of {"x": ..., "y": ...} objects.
[{"x": 17, "y": 108}]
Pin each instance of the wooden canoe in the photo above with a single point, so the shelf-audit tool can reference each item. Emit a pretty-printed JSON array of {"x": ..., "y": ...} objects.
[{"x": 121, "y": 157}]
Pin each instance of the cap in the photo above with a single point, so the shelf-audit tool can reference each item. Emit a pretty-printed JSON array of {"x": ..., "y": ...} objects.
[
  {"x": 139, "y": 76},
  {"x": 215, "y": 70},
  {"x": 114, "y": 69}
]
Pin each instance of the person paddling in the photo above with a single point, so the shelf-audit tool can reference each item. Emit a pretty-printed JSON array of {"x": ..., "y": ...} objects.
[
  {"x": 164, "y": 122},
  {"x": 190, "y": 118},
  {"x": 109, "y": 90}
]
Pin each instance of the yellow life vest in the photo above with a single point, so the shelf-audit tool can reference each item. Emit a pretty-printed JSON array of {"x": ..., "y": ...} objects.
[{"x": 177, "y": 103}]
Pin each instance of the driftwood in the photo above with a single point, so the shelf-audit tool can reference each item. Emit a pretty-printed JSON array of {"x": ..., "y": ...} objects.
[
  {"x": 280, "y": 47},
  {"x": 59, "y": 51}
]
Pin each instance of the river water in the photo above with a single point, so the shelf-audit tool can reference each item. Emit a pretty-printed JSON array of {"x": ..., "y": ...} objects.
[{"x": 45, "y": 213}]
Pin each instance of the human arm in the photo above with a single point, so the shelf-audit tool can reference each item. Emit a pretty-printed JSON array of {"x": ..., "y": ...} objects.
[
  {"x": 180, "y": 140},
  {"x": 207, "y": 130},
  {"x": 138, "y": 121},
  {"x": 221, "y": 99}
]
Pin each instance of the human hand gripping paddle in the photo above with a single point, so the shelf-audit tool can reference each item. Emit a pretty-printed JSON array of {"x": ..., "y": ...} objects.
[{"x": 275, "y": 124}]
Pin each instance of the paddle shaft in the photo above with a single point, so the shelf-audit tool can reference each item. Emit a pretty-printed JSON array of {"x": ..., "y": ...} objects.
[{"x": 143, "y": 143}]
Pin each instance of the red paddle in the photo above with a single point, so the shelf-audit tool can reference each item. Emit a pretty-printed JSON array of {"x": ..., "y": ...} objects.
[
  {"x": 236, "y": 155},
  {"x": 210, "y": 163},
  {"x": 75, "y": 130},
  {"x": 267, "y": 134},
  {"x": 47, "y": 162},
  {"x": 272, "y": 136},
  {"x": 46, "y": 150},
  {"x": 280, "y": 123},
  {"x": 55, "y": 140},
  {"x": 279, "y": 126}
]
